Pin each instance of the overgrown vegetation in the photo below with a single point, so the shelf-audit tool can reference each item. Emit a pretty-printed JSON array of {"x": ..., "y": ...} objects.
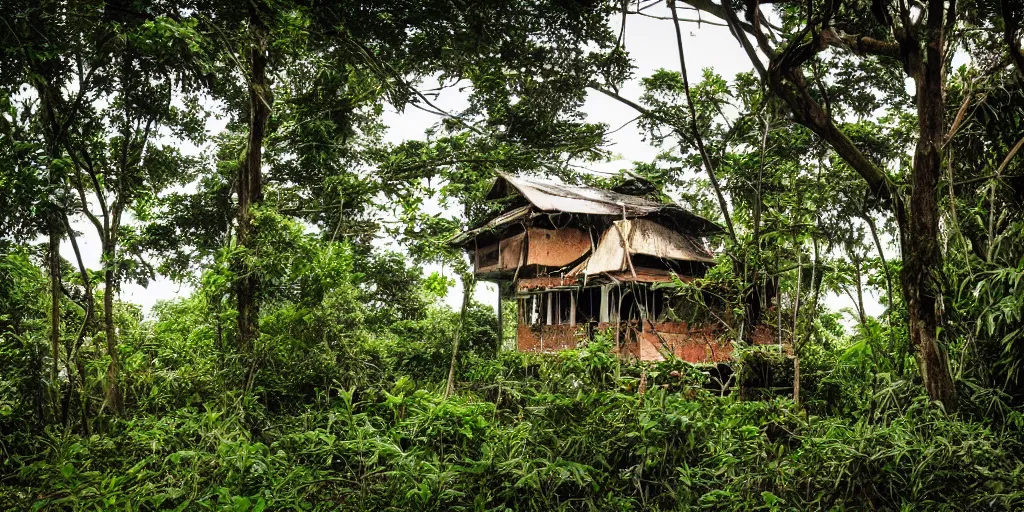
[
  {"x": 307, "y": 368},
  {"x": 527, "y": 432}
]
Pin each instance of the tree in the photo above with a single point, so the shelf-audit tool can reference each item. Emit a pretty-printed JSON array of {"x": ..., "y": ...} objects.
[
  {"x": 103, "y": 82},
  {"x": 817, "y": 42},
  {"x": 920, "y": 44},
  {"x": 39, "y": 68},
  {"x": 312, "y": 134}
]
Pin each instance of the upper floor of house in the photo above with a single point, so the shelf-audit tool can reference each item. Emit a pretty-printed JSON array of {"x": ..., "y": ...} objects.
[{"x": 547, "y": 230}]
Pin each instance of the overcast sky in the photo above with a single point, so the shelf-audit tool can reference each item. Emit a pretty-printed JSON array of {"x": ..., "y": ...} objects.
[{"x": 651, "y": 44}]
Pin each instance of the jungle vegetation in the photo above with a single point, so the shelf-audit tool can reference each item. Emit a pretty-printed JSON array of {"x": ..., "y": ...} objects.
[{"x": 873, "y": 148}]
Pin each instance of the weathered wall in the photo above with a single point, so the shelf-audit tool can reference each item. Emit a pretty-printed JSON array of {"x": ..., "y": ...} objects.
[
  {"x": 509, "y": 252},
  {"x": 546, "y": 247},
  {"x": 547, "y": 338},
  {"x": 556, "y": 248},
  {"x": 696, "y": 345},
  {"x": 512, "y": 251},
  {"x": 764, "y": 335},
  {"x": 692, "y": 344}
]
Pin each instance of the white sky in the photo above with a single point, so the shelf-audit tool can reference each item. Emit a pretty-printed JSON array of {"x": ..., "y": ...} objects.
[{"x": 651, "y": 44}]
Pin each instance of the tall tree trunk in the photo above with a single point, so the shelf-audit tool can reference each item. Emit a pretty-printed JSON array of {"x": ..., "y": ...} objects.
[
  {"x": 796, "y": 380},
  {"x": 816, "y": 281},
  {"x": 250, "y": 179},
  {"x": 73, "y": 348},
  {"x": 897, "y": 358},
  {"x": 53, "y": 264},
  {"x": 797, "y": 342},
  {"x": 861, "y": 314},
  {"x": 114, "y": 398},
  {"x": 53, "y": 269},
  {"x": 922, "y": 257},
  {"x": 757, "y": 299}
]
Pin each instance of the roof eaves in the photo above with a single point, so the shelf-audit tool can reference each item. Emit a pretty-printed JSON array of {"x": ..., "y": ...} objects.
[{"x": 502, "y": 219}]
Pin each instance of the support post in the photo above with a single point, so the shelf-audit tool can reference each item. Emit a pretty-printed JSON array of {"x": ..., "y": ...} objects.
[
  {"x": 501, "y": 323},
  {"x": 603, "y": 314}
]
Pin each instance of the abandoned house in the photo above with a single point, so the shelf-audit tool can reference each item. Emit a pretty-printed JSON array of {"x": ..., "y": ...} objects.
[{"x": 582, "y": 260}]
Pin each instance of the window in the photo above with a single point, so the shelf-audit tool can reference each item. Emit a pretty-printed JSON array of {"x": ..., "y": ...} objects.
[
  {"x": 557, "y": 307},
  {"x": 487, "y": 256}
]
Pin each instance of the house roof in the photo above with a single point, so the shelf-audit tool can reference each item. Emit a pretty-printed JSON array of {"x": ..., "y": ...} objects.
[
  {"x": 641, "y": 236},
  {"x": 554, "y": 197},
  {"x": 559, "y": 197}
]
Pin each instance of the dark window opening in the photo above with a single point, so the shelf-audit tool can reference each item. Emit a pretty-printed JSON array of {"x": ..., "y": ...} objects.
[
  {"x": 548, "y": 308},
  {"x": 625, "y": 302},
  {"x": 635, "y": 301},
  {"x": 683, "y": 268},
  {"x": 563, "y": 311},
  {"x": 588, "y": 305},
  {"x": 488, "y": 256}
]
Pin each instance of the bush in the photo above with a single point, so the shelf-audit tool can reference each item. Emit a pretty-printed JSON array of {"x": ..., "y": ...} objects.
[{"x": 407, "y": 448}]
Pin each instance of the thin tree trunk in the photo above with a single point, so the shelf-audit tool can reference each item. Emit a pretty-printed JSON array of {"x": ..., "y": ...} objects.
[
  {"x": 114, "y": 398},
  {"x": 778, "y": 306},
  {"x": 250, "y": 179},
  {"x": 881, "y": 256},
  {"x": 53, "y": 262},
  {"x": 72, "y": 351},
  {"x": 796, "y": 380},
  {"x": 757, "y": 299},
  {"x": 816, "y": 281},
  {"x": 992, "y": 223},
  {"x": 797, "y": 343},
  {"x": 896, "y": 358},
  {"x": 814, "y": 314},
  {"x": 990, "y": 249},
  {"x": 220, "y": 333},
  {"x": 860, "y": 295},
  {"x": 468, "y": 283},
  {"x": 778, "y": 289}
]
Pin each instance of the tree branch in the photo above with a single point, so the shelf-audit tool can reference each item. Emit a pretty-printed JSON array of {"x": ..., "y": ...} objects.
[
  {"x": 786, "y": 80},
  {"x": 717, "y": 11},
  {"x": 739, "y": 29},
  {"x": 861, "y": 45},
  {"x": 695, "y": 131},
  {"x": 85, "y": 206},
  {"x": 1011, "y": 27}
]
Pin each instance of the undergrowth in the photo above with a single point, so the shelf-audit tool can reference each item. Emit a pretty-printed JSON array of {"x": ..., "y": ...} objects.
[{"x": 568, "y": 432}]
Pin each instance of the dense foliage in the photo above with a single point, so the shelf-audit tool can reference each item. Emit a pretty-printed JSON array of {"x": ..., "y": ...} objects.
[
  {"x": 539, "y": 433},
  {"x": 242, "y": 149}
]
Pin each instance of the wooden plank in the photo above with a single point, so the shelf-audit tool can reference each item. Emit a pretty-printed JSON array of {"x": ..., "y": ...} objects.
[{"x": 556, "y": 247}]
